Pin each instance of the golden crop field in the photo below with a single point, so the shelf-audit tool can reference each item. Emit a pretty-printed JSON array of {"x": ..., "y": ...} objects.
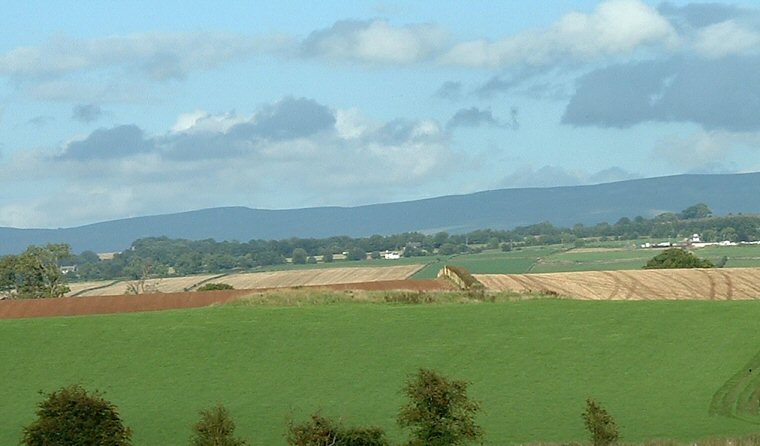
[
  {"x": 324, "y": 276},
  {"x": 699, "y": 284}
]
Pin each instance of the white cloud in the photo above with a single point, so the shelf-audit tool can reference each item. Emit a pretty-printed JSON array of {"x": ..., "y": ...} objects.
[
  {"x": 704, "y": 151},
  {"x": 201, "y": 121},
  {"x": 553, "y": 176},
  {"x": 726, "y": 38},
  {"x": 160, "y": 56},
  {"x": 616, "y": 27},
  {"x": 209, "y": 160},
  {"x": 374, "y": 42}
]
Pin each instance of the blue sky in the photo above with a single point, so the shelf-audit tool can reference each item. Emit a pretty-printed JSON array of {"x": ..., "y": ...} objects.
[{"x": 111, "y": 110}]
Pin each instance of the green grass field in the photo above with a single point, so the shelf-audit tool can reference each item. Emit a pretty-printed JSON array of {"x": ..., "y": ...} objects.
[
  {"x": 656, "y": 366},
  {"x": 558, "y": 258}
]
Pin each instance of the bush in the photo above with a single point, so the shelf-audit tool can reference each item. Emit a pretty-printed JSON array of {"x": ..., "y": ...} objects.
[
  {"x": 439, "y": 412},
  {"x": 215, "y": 428},
  {"x": 322, "y": 431},
  {"x": 215, "y": 287},
  {"x": 408, "y": 297},
  {"x": 677, "y": 258},
  {"x": 73, "y": 417},
  {"x": 600, "y": 424}
]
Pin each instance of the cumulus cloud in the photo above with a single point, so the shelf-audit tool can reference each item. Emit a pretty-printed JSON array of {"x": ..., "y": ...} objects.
[
  {"x": 552, "y": 176},
  {"x": 118, "y": 142},
  {"x": 292, "y": 152},
  {"x": 449, "y": 90},
  {"x": 616, "y": 27},
  {"x": 374, "y": 42},
  {"x": 287, "y": 119},
  {"x": 722, "y": 95},
  {"x": 86, "y": 112},
  {"x": 160, "y": 56},
  {"x": 40, "y": 121},
  {"x": 705, "y": 151},
  {"x": 699, "y": 15},
  {"x": 726, "y": 38},
  {"x": 475, "y": 117}
]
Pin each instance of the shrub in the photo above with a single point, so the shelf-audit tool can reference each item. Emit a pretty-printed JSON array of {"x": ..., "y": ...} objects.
[
  {"x": 677, "y": 258},
  {"x": 215, "y": 287},
  {"x": 73, "y": 417},
  {"x": 408, "y": 297},
  {"x": 600, "y": 424},
  {"x": 439, "y": 412},
  {"x": 322, "y": 431},
  {"x": 215, "y": 428}
]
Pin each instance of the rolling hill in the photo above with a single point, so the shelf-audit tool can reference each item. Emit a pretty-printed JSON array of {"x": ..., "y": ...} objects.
[{"x": 497, "y": 209}]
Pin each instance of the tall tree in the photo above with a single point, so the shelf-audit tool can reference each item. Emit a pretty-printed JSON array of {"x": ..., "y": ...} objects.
[
  {"x": 72, "y": 417},
  {"x": 439, "y": 412},
  {"x": 35, "y": 273},
  {"x": 599, "y": 424},
  {"x": 215, "y": 428}
]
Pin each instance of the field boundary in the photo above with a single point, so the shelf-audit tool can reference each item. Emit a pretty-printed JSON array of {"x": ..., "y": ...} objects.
[{"x": 90, "y": 305}]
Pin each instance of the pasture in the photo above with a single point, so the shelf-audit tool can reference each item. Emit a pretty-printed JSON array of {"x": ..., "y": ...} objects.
[
  {"x": 656, "y": 366},
  {"x": 559, "y": 258}
]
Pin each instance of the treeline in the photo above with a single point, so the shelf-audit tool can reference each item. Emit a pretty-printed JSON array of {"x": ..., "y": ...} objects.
[
  {"x": 437, "y": 412},
  {"x": 161, "y": 256}
]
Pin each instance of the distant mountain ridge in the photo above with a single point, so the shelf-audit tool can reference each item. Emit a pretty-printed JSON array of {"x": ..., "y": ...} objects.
[{"x": 496, "y": 209}]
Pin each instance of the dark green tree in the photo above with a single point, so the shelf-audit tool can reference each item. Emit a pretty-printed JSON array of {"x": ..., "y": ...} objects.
[
  {"x": 677, "y": 258},
  {"x": 438, "y": 411},
  {"x": 356, "y": 253},
  {"x": 299, "y": 256},
  {"x": 600, "y": 424},
  {"x": 699, "y": 210},
  {"x": 72, "y": 417},
  {"x": 215, "y": 428}
]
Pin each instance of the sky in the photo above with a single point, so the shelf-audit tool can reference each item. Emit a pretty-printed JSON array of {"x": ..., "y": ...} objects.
[{"x": 118, "y": 109}]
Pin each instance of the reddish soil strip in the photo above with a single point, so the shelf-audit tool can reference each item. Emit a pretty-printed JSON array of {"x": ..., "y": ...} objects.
[{"x": 77, "y": 306}]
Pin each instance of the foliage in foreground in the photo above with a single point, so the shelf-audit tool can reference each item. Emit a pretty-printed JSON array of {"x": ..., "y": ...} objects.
[
  {"x": 439, "y": 412},
  {"x": 322, "y": 431},
  {"x": 215, "y": 428},
  {"x": 73, "y": 417},
  {"x": 677, "y": 258},
  {"x": 599, "y": 424}
]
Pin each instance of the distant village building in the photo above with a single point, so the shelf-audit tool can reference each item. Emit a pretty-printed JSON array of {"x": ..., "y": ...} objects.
[{"x": 390, "y": 255}]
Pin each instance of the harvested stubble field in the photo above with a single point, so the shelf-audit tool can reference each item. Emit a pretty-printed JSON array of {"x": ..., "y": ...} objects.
[
  {"x": 166, "y": 285},
  {"x": 249, "y": 281},
  {"x": 693, "y": 284},
  {"x": 319, "y": 277}
]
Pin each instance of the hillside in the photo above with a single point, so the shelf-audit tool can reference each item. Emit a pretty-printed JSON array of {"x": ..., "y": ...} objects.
[{"x": 497, "y": 209}]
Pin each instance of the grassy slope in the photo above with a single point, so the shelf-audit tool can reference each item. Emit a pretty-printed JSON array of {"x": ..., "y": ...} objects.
[{"x": 654, "y": 365}]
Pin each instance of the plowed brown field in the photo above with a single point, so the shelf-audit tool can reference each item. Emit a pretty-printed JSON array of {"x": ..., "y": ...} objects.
[
  {"x": 700, "y": 284},
  {"x": 387, "y": 278}
]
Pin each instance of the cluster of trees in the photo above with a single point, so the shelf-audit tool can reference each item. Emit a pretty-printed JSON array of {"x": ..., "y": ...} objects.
[
  {"x": 677, "y": 258},
  {"x": 161, "y": 256},
  {"x": 35, "y": 273},
  {"x": 438, "y": 412}
]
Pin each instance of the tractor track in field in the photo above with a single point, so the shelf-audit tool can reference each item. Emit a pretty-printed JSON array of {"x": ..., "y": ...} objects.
[{"x": 672, "y": 284}]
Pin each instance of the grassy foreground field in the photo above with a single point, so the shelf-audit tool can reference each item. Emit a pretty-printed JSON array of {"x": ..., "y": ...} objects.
[{"x": 656, "y": 366}]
